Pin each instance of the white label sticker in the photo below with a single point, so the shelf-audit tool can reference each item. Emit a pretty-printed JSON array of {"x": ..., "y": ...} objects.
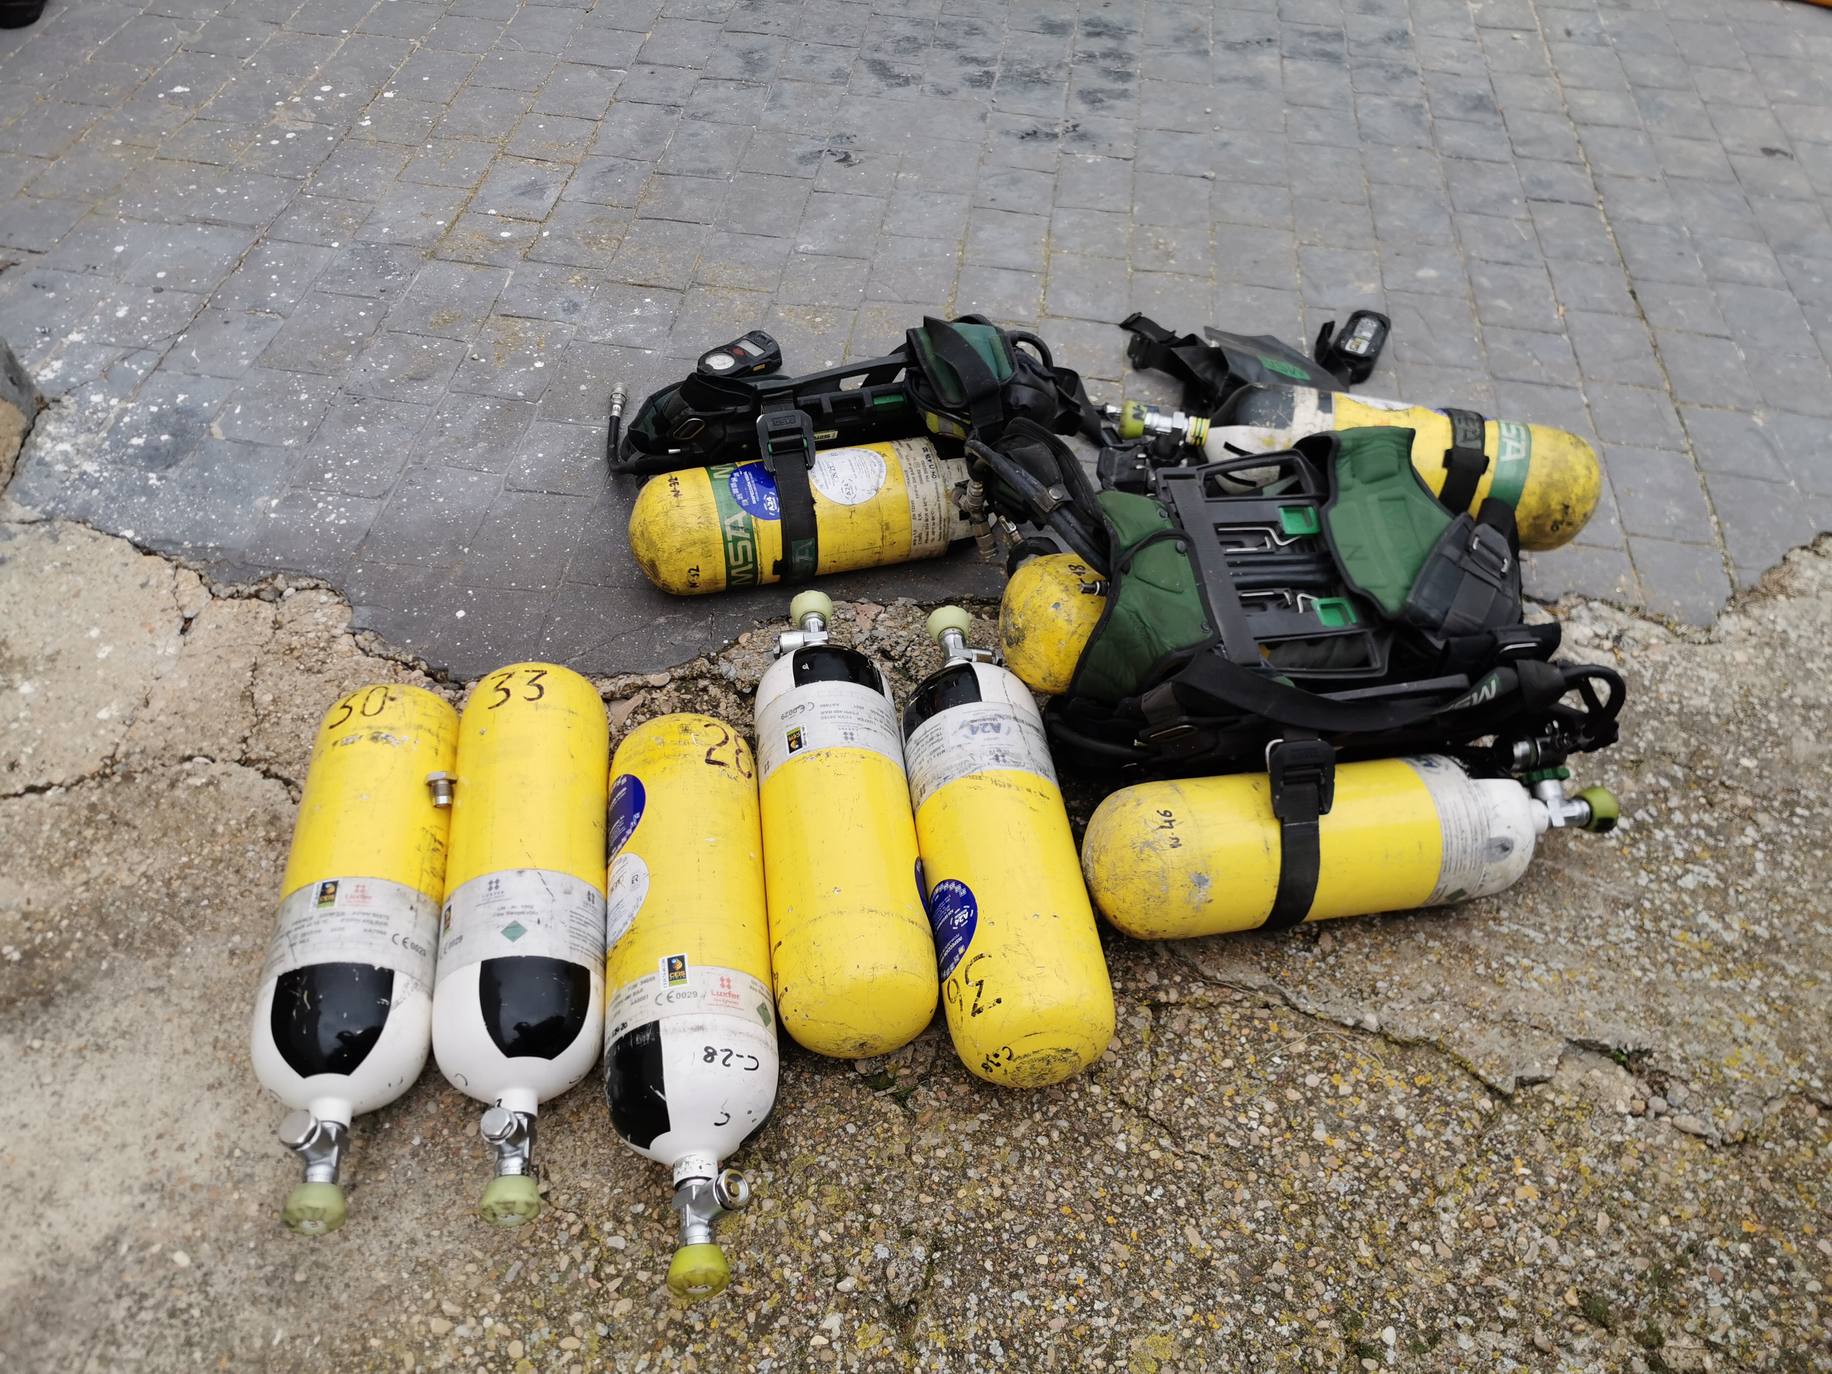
[
  {"x": 357, "y": 921},
  {"x": 627, "y": 891},
  {"x": 935, "y": 520},
  {"x": 522, "y": 912},
  {"x": 977, "y": 738},
  {"x": 825, "y": 715},
  {"x": 1487, "y": 844},
  {"x": 848, "y": 476},
  {"x": 679, "y": 987}
]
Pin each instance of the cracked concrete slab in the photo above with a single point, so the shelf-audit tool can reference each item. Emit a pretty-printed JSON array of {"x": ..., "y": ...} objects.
[{"x": 1578, "y": 1126}]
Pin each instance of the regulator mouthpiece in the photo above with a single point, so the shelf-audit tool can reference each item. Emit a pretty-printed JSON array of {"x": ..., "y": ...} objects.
[
  {"x": 513, "y": 1196},
  {"x": 316, "y": 1207},
  {"x": 699, "y": 1268}
]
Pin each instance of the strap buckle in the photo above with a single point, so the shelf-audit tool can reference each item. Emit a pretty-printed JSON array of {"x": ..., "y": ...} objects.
[
  {"x": 1488, "y": 551},
  {"x": 1303, "y": 777},
  {"x": 785, "y": 432}
]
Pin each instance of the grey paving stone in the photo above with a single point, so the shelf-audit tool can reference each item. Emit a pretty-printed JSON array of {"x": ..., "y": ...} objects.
[
  {"x": 559, "y": 460},
  {"x": 361, "y": 446},
  {"x": 1659, "y": 494},
  {"x": 475, "y": 432},
  {"x": 1581, "y": 570},
  {"x": 1684, "y": 581},
  {"x": 510, "y": 358},
  {"x": 1525, "y": 355},
  {"x": 1761, "y": 521},
  {"x": 1732, "y": 443},
  {"x": 1705, "y": 371},
  {"x": 280, "y": 409},
  {"x": 405, "y": 367},
  {"x": 1613, "y": 348}
]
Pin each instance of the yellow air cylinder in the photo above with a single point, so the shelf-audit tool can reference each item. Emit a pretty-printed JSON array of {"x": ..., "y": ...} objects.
[
  {"x": 690, "y": 1059},
  {"x": 1200, "y": 856},
  {"x": 706, "y": 529},
  {"x": 518, "y": 1012},
  {"x": 1550, "y": 477},
  {"x": 1024, "y": 981},
  {"x": 1047, "y": 614},
  {"x": 849, "y": 941},
  {"x": 343, "y": 1019}
]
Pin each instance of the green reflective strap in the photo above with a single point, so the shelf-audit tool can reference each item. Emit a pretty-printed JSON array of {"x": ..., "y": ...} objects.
[
  {"x": 1513, "y": 459},
  {"x": 737, "y": 531}
]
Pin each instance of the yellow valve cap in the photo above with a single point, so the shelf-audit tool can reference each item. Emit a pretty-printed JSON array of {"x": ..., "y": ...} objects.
[
  {"x": 314, "y": 1209},
  {"x": 1132, "y": 420},
  {"x": 1605, "y": 810},
  {"x": 510, "y": 1200},
  {"x": 811, "y": 603},
  {"x": 944, "y": 618},
  {"x": 698, "y": 1271}
]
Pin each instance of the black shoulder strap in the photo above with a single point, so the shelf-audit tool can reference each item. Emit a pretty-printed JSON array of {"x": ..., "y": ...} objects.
[
  {"x": 785, "y": 438},
  {"x": 1302, "y": 773},
  {"x": 1464, "y": 461},
  {"x": 1183, "y": 356}
]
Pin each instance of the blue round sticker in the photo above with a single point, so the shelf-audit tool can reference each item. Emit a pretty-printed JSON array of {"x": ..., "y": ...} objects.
[
  {"x": 754, "y": 489},
  {"x": 953, "y": 916},
  {"x": 627, "y": 798}
]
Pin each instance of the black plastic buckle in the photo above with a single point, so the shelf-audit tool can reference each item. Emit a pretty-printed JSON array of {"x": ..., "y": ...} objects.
[
  {"x": 785, "y": 433},
  {"x": 1488, "y": 551},
  {"x": 1303, "y": 777}
]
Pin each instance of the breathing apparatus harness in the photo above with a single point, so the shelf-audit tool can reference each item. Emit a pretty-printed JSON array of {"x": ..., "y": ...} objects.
[
  {"x": 1275, "y": 610},
  {"x": 997, "y": 393}
]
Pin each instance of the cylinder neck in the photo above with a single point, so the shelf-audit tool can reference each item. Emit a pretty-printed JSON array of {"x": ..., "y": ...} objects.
[
  {"x": 702, "y": 1201},
  {"x": 319, "y": 1142},
  {"x": 511, "y": 1135}
]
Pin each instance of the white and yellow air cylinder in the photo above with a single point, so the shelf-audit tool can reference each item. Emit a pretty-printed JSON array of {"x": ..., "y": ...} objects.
[
  {"x": 849, "y": 941},
  {"x": 1200, "y": 856},
  {"x": 518, "y": 1010},
  {"x": 690, "y": 1057},
  {"x": 1024, "y": 981},
  {"x": 343, "y": 1019},
  {"x": 1549, "y": 476},
  {"x": 706, "y": 529}
]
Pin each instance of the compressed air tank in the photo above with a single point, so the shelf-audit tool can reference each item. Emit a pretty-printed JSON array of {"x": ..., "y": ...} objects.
[
  {"x": 706, "y": 529},
  {"x": 518, "y": 1011},
  {"x": 690, "y": 1058},
  {"x": 343, "y": 1018},
  {"x": 1200, "y": 856},
  {"x": 1048, "y": 612},
  {"x": 849, "y": 941},
  {"x": 1550, "y": 477},
  {"x": 1024, "y": 982}
]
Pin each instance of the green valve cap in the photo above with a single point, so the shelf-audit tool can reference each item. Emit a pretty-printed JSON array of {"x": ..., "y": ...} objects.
[
  {"x": 510, "y": 1200},
  {"x": 314, "y": 1209},
  {"x": 1605, "y": 810},
  {"x": 698, "y": 1271},
  {"x": 1132, "y": 420}
]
